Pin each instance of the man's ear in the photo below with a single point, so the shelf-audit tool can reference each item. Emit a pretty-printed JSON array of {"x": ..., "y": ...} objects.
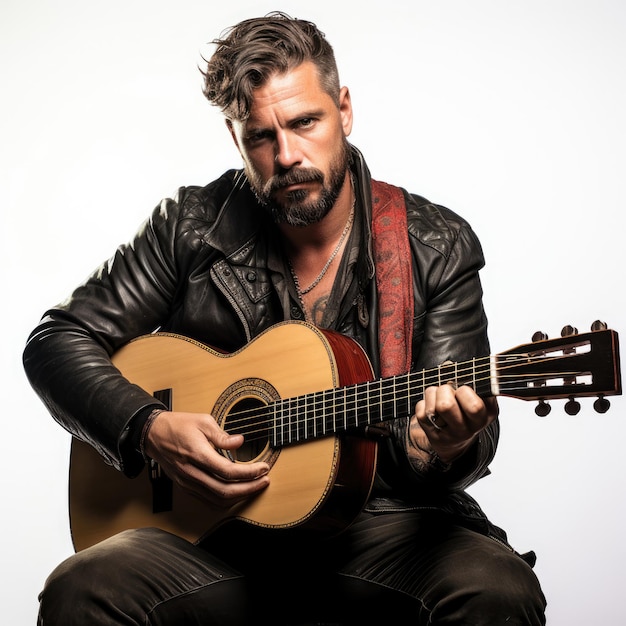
[{"x": 345, "y": 110}]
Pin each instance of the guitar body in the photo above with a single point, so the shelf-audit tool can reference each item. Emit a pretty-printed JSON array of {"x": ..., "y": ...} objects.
[{"x": 320, "y": 484}]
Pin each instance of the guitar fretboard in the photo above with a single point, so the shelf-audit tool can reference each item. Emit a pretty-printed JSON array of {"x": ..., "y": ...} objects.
[{"x": 334, "y": 411}]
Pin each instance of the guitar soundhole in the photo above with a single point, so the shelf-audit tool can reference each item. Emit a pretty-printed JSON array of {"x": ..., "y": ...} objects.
[{"x": 243, "y": 409}]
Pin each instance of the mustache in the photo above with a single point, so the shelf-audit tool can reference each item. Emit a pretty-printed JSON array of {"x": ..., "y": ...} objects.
[{"x": 293, "y": 177}]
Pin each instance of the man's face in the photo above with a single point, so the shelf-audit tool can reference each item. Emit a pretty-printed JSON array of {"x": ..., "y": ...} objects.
[{"x": 294, "y": 145}]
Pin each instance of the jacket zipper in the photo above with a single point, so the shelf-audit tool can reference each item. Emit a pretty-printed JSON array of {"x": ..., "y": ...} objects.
[{"x": 233, "y": 302}]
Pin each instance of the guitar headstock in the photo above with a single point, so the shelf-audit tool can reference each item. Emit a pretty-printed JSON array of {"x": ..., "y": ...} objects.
[{"x": 573, "y": 365}]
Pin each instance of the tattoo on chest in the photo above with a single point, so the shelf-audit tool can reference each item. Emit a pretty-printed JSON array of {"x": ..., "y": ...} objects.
[{"x": 318, "y": 309}]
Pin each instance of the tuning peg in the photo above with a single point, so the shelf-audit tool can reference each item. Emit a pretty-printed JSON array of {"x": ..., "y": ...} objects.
[
  {"x": 568, "y": 331},
  {"x": 539, "y": 336},
  {"x": 598, "y": 325},
  {"x": 543, "y": 408},
  {"x": 572, "y": 407},
  {"x": 601, "y": 405}
]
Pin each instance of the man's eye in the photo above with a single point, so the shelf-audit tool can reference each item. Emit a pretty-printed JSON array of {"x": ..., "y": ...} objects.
[
  {"x": 257, "y": 136},
  {"x": 306, "y": 121}
]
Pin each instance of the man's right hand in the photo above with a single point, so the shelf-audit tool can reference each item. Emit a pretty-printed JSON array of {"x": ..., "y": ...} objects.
[{"x": 186, "y": 446}]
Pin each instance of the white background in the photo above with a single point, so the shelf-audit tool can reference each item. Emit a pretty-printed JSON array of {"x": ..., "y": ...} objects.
[{"x": 512, "y": 113}]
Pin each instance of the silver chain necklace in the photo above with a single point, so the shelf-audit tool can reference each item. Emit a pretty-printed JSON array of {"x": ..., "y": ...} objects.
[{"x": 316, "y": 282}]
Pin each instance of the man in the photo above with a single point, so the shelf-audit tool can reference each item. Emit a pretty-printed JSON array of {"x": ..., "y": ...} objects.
[{"x": 301, "y": 233}]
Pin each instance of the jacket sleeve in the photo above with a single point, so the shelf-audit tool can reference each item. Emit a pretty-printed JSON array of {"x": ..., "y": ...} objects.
[
  {"x": 450, "y": 325},
  {"x": 67, "y": 356}
]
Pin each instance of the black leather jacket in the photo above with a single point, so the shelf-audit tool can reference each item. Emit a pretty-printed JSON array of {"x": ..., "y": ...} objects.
[{"x": 208, "y": 264}]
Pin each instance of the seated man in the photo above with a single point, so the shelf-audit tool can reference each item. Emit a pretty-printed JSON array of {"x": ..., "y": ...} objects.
[{"x": 300, "y": 233}]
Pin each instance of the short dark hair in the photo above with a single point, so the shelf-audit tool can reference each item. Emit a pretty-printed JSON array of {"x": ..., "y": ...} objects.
[{"x": 249, "y": 53}]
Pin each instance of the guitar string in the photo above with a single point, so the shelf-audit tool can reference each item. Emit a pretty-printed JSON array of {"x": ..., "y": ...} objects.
[{"x": 358, "y": 392}]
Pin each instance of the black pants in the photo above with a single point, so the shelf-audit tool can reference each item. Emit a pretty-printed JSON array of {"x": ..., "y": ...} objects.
[{"x": 392, "y": 568}]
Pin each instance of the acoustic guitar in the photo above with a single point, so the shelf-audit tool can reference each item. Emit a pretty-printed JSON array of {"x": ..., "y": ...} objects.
[{"x": 302, "y": 397}]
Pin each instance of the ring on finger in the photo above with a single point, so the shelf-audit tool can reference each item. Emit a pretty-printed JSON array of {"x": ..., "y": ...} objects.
[{"x": 433, "y": 418}]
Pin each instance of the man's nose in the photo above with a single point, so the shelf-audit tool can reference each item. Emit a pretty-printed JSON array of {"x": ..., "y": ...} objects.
[{"x": 288, "y": 152}]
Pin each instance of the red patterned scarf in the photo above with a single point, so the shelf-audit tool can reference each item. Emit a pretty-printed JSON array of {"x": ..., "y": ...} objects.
[{"x": 394, "y": 279}]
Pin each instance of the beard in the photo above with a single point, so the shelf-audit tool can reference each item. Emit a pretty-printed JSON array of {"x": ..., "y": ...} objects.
[{"x": 298, "y": 209}]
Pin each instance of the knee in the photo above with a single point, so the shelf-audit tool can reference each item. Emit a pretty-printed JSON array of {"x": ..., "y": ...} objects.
[
  {"x": 75, "y": 585},
  {"x": 139, "y": 573},
  {"x": 508, "y": 592}
]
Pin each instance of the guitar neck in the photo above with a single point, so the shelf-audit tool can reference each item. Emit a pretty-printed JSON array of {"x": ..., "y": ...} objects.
[{"x": 335, "y": 411}]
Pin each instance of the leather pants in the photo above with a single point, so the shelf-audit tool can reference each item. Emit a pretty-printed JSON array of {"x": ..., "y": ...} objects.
[{"x": 410, "y": 567}]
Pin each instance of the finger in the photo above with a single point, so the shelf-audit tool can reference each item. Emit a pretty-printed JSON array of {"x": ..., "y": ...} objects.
[
  {"x": 219, "y": 437},
  {"x": 222, "y": 439},
  {"x": 471, "y": 404},
  {"x": 213, "y": 462},
  {"x": 430, "y": 400},
  {"x": 430, "y": 411},
  {"x": 219, "y": 492},
  {"x": 478, "y": 412},
  {"x": 445, "y": 402}
]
